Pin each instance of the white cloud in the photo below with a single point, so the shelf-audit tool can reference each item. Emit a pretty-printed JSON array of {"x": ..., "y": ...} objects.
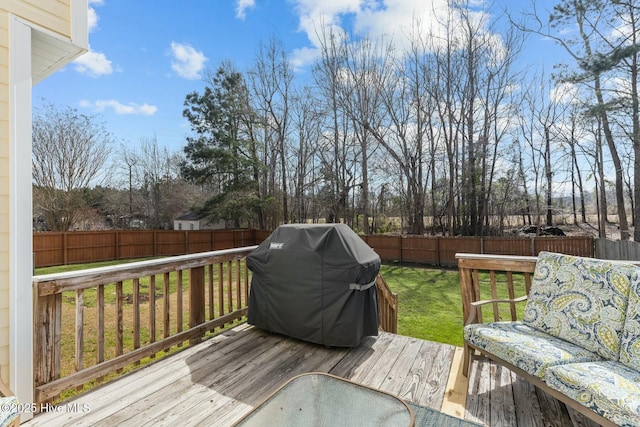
[
  {"x": 93, "y": 64},
  {"x": 242, "y": 6},
  {"x": 92, "y": 18},
  {"x": 119, "y": 108},
  {"x": 564, "y": 93},
  {"x": 303, "y": 56},
  {"x": 188, "y": 62},
  {"x": 92, "y": 15},
  {"x": 396, "y": 20}
]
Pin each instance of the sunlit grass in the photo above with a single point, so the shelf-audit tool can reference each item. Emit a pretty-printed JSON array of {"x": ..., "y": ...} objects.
[{"x": 429, "y": 301}]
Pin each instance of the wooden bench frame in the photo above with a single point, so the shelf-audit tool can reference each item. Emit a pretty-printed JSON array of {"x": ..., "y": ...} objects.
[{"x": 470, "y": 266}]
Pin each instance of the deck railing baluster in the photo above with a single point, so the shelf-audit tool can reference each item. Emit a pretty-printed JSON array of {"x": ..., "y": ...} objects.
[
  {"x": 79, "y": 340},
  {"x": 210, "y": 289},
  {"x": 179, "y": 306},
  {"x": 229, "y": 288},
  {"x": 152, "y": 309},
  {"x": 220, "y": 290},
  {"x": 136, "y": 313},
  {"x": 166, "y": 310},
  {"x": 100, "y": 341}
]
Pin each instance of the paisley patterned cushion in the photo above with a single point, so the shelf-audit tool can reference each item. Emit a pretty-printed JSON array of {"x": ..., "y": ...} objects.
[
  {"x": 581, "y": 300},
  {"x": 630, "y": 346},
  {"x": 608, "y": 388},
  {"x": 527, "y": 348},
  {"x": 8, "y": 416}
]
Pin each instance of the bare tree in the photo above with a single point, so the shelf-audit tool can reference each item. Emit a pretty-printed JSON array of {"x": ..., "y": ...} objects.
[
  {"x": 592, "y": 19},
  {"x": 271, "y": 84},
  {"x": 361, "y": 97},
  {"x": 305, "y": 121},
  {"x": 70, "y": 153},
  {"x": 336, "y": 152}
]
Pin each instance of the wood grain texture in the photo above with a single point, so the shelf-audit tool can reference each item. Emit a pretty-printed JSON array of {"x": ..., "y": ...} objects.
[{"x": 219, "y": 380}]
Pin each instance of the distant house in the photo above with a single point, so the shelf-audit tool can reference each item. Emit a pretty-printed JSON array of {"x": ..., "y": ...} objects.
[{"x": 194, "y": 221}]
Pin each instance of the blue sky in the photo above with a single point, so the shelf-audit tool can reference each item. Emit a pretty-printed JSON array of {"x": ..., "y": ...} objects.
[{"x": 146, "y": 56}]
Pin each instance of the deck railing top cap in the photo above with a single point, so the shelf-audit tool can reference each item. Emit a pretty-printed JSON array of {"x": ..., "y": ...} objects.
[
  {"x": 462, "y": 255},
  {"x": 138, "y": 264}
]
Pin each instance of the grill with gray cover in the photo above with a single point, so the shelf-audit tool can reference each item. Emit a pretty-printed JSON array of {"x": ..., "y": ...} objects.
[{"x": 315, "y": 283}]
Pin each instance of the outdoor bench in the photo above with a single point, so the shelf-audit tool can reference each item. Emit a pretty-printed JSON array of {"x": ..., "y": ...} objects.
[{"x": 579, "y": 337}]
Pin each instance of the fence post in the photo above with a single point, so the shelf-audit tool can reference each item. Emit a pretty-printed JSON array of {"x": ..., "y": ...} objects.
[{"x": 196, "y": 299}]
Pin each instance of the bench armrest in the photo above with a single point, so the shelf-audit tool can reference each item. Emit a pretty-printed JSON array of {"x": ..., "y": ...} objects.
[{"x": 475, "y": 305}]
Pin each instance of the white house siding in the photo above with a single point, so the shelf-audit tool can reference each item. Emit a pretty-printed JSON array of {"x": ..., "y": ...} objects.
[
  {"x": 54, "y": 16},
  {"x": 4, "y": 194}
]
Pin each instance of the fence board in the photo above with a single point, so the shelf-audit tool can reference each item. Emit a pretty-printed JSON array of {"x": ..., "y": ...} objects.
[
  {"x": 48, "y": 249},
  {"x": 389, "y": 248},
  {"x": 579, "y": 246},
  {"x": 421, "y": 249},
  {"x": 199, "y": 241},
  {"x": 452, "y": 245},
  {"x": 223, "y": 239},
  {"x": 170, "y": 243},
  {"x": 136, "y": 244},
  {"x": 508, "y": 246},
  {"x": 90, "y": 246}
]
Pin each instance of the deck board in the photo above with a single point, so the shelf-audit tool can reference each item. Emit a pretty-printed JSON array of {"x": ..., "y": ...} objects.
[{"x": 219, "y": 380}]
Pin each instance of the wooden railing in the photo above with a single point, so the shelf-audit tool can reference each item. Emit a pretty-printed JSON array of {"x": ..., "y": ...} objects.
[
  {"x": 105, "y": 319},
  {"x": 493, "y": 277},
  {"x": 91, "y": 324},
  {"x": 387, "y": 306}
]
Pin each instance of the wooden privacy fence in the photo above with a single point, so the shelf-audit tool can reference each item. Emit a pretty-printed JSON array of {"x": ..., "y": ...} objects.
[
  {"x": 442, "y": 250},
  {"x": 78, "y": 247},
  {"x": 90, "y": 324},
  {"x": 89, "y": 246}
]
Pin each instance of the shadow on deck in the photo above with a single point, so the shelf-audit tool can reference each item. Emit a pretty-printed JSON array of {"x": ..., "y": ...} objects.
[{"x": 216, "y": 382}]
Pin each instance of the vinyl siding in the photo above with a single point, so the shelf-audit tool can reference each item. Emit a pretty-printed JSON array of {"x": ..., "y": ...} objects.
[
  {"x": 51, "y": 14},
  {"x": 4, "y": 196}
]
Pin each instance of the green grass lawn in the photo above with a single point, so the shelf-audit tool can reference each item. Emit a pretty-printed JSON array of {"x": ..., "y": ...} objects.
[{"x": 429, "y": 303}]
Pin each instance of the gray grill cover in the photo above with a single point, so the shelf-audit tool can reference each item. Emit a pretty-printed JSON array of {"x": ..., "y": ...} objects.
[{"x": 315, "y": 283}]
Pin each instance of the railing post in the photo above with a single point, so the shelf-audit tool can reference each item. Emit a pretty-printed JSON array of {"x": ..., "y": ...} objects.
[
  {"x": 47, "y": 337},
  {"x": 466, "y": 290},
  {"x": 196, "y": 299}
]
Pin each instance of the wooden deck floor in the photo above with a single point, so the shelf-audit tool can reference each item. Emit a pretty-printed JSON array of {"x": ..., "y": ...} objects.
[{"x": 216, "y": 382}]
